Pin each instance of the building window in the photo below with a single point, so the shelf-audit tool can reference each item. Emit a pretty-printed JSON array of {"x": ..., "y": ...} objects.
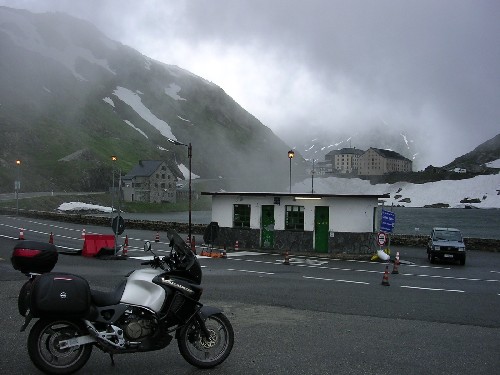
[
  {"x": 241, "y": 216},
  {"x": 294, "y": 218}
]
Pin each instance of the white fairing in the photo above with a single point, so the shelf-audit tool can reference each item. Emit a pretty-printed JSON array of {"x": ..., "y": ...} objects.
[{"x": 140, "y": 290}]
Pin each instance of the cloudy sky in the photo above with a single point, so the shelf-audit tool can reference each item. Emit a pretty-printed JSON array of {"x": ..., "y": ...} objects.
[{"x": 429, "y": 69}]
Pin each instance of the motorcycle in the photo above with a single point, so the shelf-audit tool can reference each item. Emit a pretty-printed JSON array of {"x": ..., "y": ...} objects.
[{"x": 143, "y": 313}]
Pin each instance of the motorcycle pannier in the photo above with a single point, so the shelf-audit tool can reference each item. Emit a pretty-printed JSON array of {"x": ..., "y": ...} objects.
[
  {"x": 33, "y": 256},
  {"x": 60, "y": 294}
]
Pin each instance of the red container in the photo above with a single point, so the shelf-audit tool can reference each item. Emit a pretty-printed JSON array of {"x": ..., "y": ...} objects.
[{"x": 34, "y": 257}]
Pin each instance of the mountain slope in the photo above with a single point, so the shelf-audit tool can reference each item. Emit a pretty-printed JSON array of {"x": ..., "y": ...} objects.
[
  {"x": 476, "y": 159},
  {"x": 68, "y": 90}
]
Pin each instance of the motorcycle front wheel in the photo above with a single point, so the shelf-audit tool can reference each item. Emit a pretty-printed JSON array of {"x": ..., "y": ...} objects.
[
  {"x": 44, "y": 349},
  {"x": 204, "y": 352}
]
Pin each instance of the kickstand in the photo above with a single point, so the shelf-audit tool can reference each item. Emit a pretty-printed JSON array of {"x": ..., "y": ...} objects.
[{"x": 112, "y": 359}]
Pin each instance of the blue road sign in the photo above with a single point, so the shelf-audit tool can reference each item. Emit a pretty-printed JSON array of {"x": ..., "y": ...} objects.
[{"x": 388, "y": 221}]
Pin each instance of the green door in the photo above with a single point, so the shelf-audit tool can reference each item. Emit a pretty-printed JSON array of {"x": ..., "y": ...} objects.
[
  {"x": 267, "y": 228},
  {"x": 321, "y": 226}
]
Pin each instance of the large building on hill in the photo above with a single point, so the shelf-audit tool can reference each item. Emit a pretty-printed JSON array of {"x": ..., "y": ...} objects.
[
  {"x": 345, "y": 160},
  {"x": 376, "y": 162},
  {"x": 373, "y": 162},
  {"x": 150, "y": 181}
]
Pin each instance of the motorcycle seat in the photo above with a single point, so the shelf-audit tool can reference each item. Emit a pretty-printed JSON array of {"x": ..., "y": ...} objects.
[{"x": 101, "y": 298}]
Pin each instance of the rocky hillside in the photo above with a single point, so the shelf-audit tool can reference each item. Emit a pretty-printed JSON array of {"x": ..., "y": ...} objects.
[
  {"x": 477, "y": 159},
  {"x": 70, "y": 98}
]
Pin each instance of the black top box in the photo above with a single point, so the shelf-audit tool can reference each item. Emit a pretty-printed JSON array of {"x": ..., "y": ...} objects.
[{"x": 34, "y": 257}]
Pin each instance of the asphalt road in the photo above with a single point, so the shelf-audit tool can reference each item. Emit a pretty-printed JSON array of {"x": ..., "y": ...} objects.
[{"x": 314, "y": 316}]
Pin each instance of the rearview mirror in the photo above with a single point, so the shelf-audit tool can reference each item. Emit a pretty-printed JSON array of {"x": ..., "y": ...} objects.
[{"x": 147, "y": 246}]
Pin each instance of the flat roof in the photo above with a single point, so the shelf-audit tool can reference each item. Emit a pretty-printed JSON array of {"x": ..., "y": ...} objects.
[{"x": 303, "y": 195}]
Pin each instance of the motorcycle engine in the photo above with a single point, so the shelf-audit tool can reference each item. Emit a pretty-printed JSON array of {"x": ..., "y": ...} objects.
[{"x": 138, "y": 324}]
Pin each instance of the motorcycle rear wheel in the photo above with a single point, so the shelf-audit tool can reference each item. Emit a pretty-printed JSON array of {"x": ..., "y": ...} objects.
[
  {"x": 201, "y": 352},
  {"x": 44, "y": 351}
]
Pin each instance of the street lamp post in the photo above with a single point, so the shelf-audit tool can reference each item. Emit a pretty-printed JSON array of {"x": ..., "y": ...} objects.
[
  {"x": 190, "y": 157},
  {"x": 291, "y": 154},
  {"x": 113, "y": 159},
  {"x": 117, "y": 221},
  {"x": 17, "y": 185},
  {"x": 312, "y": 179}
]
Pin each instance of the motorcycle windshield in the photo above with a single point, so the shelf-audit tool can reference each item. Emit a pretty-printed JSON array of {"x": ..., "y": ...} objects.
[{"x": 190, "y": 267}]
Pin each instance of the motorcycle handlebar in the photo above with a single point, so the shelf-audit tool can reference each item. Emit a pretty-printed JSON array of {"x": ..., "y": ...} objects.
[{"x": 158, "y": 262}]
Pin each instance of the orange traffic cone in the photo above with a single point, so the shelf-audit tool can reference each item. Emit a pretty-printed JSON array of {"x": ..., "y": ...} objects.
[
  {"x": 396, "y": 264},
  {"x": 21, "y": 234},
  {"x": 286, "y": 262},
  {"x": 385, "y": 279},
  {"x": 125, "y": 246},
  {"x": 236, "y": 245},
  {"x": 51, "y": 238},
  {"x": 157, "y": 238},
  {"x": 83, "y": 233}
]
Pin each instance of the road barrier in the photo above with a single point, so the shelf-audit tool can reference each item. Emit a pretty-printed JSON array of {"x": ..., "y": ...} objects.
[{"x": 95, "y": 242}]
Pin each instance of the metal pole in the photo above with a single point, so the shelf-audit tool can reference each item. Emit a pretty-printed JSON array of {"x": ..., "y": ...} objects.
[
  {"x": 190, "y": 157},
  {"x": 118, "y": 220},
  {"x": 291, "y": 154},
  {"x": 113, "y": 192},
  {"x": 312, "y": 179},
  {"x": 113, "y": 160},
  {"x": 18, "y": 185}
]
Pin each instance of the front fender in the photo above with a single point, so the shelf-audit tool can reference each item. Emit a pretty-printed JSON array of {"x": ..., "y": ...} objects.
[
  {"x": 199, "y": 319},
  {"x": 207, "y": 311}
]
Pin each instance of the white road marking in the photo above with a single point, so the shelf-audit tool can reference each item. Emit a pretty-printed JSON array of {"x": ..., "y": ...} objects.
[
  {"x": 336, "y": 280},
  {"x": 249, "y": 271},
  {"x": 433, "y": 289}
]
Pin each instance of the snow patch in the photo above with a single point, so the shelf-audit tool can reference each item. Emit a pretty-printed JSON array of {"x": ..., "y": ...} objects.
[
  {"x": 183, "y": 119},
  {"x": 481, "y": 191},
  {"x": 108, "y": 100},
  {"x": 185, "y": 172},
  {"x": 135, "y": 128},
  {"x": 79, "y": 206},
  {"x": 134, "y": 100},
  {"x": 173, "y": 91},
  {"x": 494, "y": 164}
]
